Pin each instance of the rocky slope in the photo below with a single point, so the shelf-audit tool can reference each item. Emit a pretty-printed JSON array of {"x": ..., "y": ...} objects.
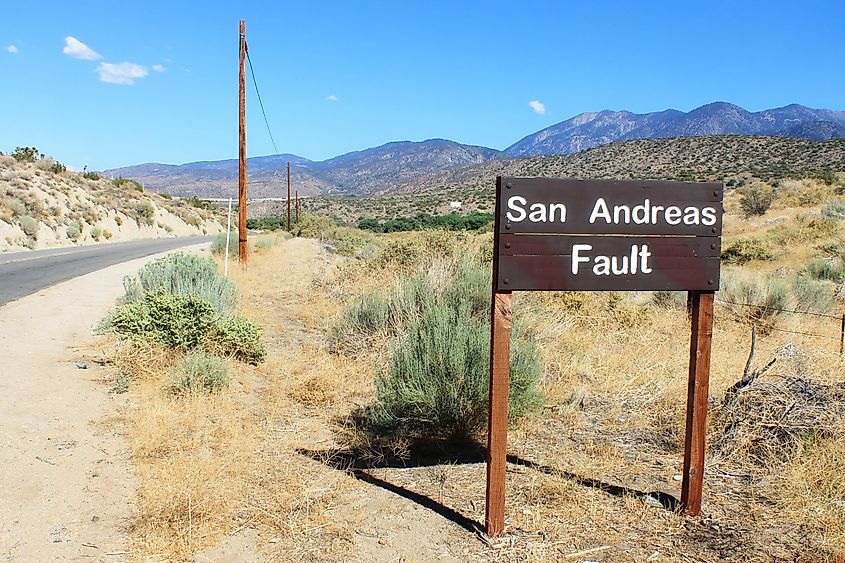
[{"x": 40, "y": 208}]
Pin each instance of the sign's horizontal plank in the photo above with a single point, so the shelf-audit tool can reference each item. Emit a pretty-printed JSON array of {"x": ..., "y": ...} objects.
[
  {"x": 623, "y": 272},
  {"x": 551, "y": 244},
  {"x": 636, "y": 207}
]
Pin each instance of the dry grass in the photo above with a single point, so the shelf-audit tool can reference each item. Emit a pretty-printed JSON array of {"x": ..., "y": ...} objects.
[{"x": 595, "y": 465}]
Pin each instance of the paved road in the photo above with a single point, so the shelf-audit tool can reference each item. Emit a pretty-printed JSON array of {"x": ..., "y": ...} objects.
[{"x": 23, "y": 273}]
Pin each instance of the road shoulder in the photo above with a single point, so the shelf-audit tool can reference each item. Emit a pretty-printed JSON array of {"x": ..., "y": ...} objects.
[{"x": 65, "y": 487}]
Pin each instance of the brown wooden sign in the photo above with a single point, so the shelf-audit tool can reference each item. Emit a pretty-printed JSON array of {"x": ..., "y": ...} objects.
[
  {"x": 579, "y": 235},
  {"x": 597, "y": 235}
]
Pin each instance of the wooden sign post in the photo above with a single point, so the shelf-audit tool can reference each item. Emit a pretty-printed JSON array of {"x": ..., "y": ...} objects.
[{"x": 603, "y": 235}]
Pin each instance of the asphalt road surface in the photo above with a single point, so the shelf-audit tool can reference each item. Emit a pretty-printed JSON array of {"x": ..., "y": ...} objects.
[{"x": 23, "y": 273}]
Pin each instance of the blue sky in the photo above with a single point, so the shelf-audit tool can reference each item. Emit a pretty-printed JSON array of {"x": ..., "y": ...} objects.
[{"x": 343, "y": 76}]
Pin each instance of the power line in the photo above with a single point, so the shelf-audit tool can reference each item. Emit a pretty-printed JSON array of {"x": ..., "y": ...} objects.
[{"x": 260, "y": 103}]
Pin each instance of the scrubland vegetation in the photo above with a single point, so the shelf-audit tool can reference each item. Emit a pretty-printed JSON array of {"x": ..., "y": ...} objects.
[
  {"x": 371, "y": 401},
  {"x": 43, "y": 204}
]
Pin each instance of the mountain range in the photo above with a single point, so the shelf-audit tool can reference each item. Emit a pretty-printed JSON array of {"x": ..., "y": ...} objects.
[{"x": 376, "y": 169}]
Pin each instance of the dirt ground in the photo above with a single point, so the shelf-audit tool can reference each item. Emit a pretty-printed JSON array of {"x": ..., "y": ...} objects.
[{"x": 66, "y": 485}]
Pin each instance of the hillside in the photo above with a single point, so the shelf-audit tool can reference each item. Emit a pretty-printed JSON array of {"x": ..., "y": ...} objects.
[
  {"x": 738, "y": 158},
  {"x": 42, "y": 206},
  {"x": 360, "y": 172},
  {"x": 589, "y": 130}
]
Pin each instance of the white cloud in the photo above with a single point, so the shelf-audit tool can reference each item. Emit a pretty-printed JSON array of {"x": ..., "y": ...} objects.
[
  {"x": 331, "y": 98},
  {"x": 537, "y": 106},
  {"x": 123, "y": 73},
  {"x": 158, "y": 68},
  {"x": 79, "y": 50},
  {"x": 12, "y": 49}
]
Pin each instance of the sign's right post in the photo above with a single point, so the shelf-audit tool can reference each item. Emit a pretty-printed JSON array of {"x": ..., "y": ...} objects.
[{"x": 701, "y": 338}]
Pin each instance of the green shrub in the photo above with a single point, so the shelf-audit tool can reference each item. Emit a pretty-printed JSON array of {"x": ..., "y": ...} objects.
[
  {"x": 27, "y": 154},
  {"x": 829, "y": 269},
  {"x": 363, "y": 318},
  {"x": 237, "y": 337},
  {"x": 96, "y": 232},
  {"x": 219, "y": 245},
  {"x": 74, "y": 229},
  {"x": 118, "y": 220},
  {"x": 745, "y": 250},
  {"x": 756, "y": 200},
  {"x": 265, "y": 243},
  {"x": 835, "y": 210},
  {"x": 175, "y": 321},
  {"x": 812, "y": 296},
  {"x": 58, "y": 168},
  {"x": 436, "y": 381},
  {"x": 29, "y": 225},
  {"x": 128, "y": 183},
  {"x": 183, "y": 274},
  {"x": 757, "y": 300},
  {"x": 91, "y": 176},
  {"x": 198, "y": 203},
  {"x": 199, "y": 371}
]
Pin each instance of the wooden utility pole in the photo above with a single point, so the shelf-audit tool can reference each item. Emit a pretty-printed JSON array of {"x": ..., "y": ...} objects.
[
  {"x": 297, "y": 222},
  {"x": 242, "y": 152},
  {"x": 288, "y": 196}
]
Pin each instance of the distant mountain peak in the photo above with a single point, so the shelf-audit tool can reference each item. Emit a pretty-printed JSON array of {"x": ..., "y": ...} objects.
[{"x": 593, "y": 129}]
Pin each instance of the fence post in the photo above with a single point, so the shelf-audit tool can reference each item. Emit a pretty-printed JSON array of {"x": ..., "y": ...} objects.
[{"x": 842, "y": 336}]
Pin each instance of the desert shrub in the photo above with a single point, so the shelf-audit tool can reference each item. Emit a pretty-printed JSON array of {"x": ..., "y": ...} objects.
[
  {"x": 756, "y": 200},
  {"x": 58, "y": 168},
  {"x": 199, "y": 371},
  {"x": 746, "y": 250},
  {"x": 91, "y": 176},
  {"x": 118, "y": 220},
  {"x": 16, "y": 206},
  {"x": 757, "y": 300},
  {"x": 29, "y": 225},
  {"x": 183, "y": 274},
  {"x": 96, "y": 232},
  {"x": 198, "y": 203},
  {"x": 27, "y": 154},
  {"x": 437, "y": 381},
  {"x": 829, "y": 269},
  {"x": 835, "y": 210},
  {"x": 828, "y": 177},
  {"x": 128, "y": 184},
  {"x": 363, "y": 318},
  {"x": 435, "y": 384},
  {"x": 74, "y": 229},
  {"x": 219, "y": 245},
  {"x": 107, "y": 234},
  {"x": 175, "y": 321},
  {"x": 812, "y": 296},
  {"x": 265, "y": 243},
  {"x": 146, "y": 211},
  {"x": 237, "y": 337},
  {"x": 669, "y": 299}
]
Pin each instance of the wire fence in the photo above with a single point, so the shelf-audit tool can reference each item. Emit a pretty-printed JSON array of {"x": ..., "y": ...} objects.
[{"x": 840, "y": 319}]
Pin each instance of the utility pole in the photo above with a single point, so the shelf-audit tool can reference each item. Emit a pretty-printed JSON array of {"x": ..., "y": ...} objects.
[
  {"x": 288, "y": 196},
  {"x": 297, "y": 213},
  {"x": 242, "y": 152}
]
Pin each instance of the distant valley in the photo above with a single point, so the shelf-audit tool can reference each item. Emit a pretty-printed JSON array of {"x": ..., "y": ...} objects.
[{"x": 397, "y": 166}]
